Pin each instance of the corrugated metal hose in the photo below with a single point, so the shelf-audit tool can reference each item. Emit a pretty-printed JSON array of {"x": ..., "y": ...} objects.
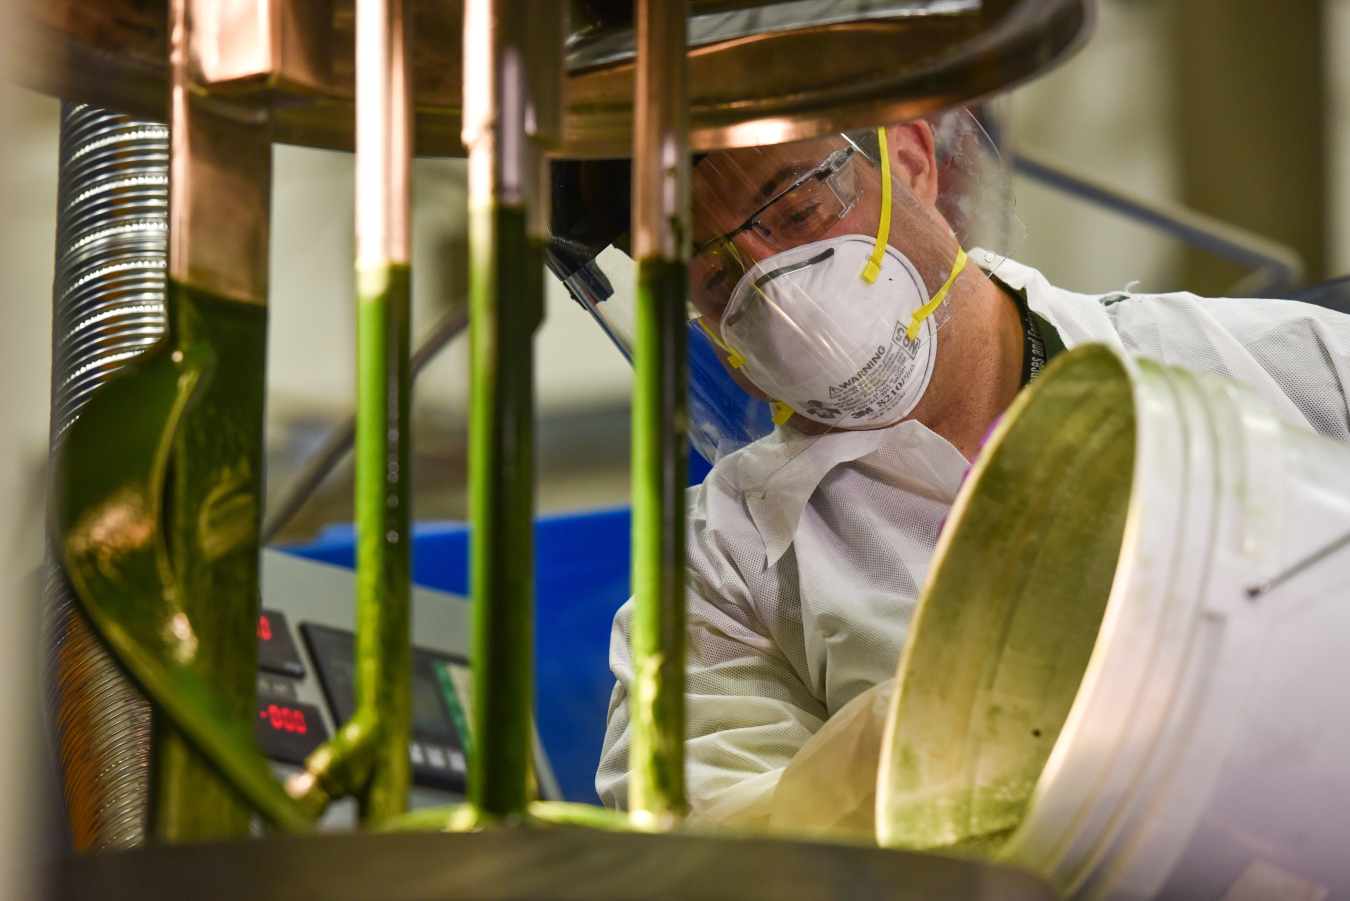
[{"x": 107, "y": 307}]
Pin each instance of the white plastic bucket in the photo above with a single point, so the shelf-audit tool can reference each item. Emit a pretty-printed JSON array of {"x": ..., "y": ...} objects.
[{"x": 1158, "y": 731}]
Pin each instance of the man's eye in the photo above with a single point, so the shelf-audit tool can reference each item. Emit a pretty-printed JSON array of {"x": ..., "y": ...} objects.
[
  {"x": 801, "y": 215},
  {"x": 717, "y": 278}
]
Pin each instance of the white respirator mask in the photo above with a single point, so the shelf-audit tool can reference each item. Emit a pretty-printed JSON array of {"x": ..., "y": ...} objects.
[
  {"x": 811, "y": 328},
  {"x": 819, "y": 281}
]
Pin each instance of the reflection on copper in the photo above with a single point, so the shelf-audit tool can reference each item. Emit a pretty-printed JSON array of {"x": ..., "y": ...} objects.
[
  {"x": 228, "y": 518},
  {"x": 107, "y": 534}
]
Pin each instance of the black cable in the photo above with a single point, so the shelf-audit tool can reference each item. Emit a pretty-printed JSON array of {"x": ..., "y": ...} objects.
[{"x": 342, "y": 438}]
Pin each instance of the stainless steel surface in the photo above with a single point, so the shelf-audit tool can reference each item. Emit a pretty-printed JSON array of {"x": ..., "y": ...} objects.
[
  {"x": 511, "y": 118},
  {"x": 757, "y": 89},
  {"x": 282, "y": 42},
  {"x": 107, "y": 306},
  {"x": 100, "y": 726},
  {"x": 111, "y": 243},
  {"x": 557, "y": 864},
  {"x": 711, "y": 23},
  {"x": 1298, "y": 568},
  {"x": 383, "y": 138}
]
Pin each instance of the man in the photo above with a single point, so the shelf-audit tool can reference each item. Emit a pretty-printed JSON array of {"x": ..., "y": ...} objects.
[{"x": 807, "y": 546}]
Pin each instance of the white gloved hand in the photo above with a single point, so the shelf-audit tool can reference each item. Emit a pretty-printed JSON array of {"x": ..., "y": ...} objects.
[{"x": 829, "y": 788}]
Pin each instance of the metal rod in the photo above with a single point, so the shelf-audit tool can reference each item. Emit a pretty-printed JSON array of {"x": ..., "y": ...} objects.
[
  {"x": 219, "y": 204},
  {"x": 656, "y": 796},
  {"x": 368, "y": 756},
  {"x": 383, "y": 556},
  {"x": 512, "y": 75},
  {"x": 343, "y": 437},
  {"x": 1280, "y": 263},
  {"x": 1316, "y": 557}
]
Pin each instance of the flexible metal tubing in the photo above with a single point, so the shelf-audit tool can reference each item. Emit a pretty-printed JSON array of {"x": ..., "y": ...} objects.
[{"x": 107, "y": 307}]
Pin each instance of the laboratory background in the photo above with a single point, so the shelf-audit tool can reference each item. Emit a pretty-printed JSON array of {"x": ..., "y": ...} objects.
[{"x": 1233, "y": 114}]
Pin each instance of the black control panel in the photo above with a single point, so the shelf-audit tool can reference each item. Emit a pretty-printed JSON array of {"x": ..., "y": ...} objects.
[
  {"x": 439, "y": 687},
  {"x": 288, "y": 729},
  {"x": 306, "y": 661},
  {"x": 277, "y": 652}
]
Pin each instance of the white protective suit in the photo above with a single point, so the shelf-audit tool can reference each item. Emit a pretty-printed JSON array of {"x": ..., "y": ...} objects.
[{"x": 802, "y": 577}]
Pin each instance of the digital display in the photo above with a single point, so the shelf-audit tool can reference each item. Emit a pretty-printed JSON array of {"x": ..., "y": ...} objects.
[
  {"x": 436, "y": 750},
  {"x": 277, "y": 652},
  {"x": 428, "y": 712},
  {"x": 287, "y": 731}
]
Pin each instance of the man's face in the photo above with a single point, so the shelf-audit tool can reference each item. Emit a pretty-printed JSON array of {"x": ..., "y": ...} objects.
[{"x": 730, "y": 186}]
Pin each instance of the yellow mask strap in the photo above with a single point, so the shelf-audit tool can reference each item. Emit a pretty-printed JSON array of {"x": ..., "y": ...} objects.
[
  {"x": 928, "y": 309},
  {"x": 884, "y": 227},
  {"x": 780, "y": 411},
  {"x": 734, "y": 358}
]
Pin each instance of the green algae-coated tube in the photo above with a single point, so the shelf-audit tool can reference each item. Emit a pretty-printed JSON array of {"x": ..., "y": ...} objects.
[
  {"x": 215, "y": 495},
  {"x": 368, "y": 756},
  {"x": 512, "y": 77},
  {"x": 383, "y": 555},
  {"x": 656, "y": 798},
  {"x": 660, "y": 472},
  {"x": 506, "y": 305}
]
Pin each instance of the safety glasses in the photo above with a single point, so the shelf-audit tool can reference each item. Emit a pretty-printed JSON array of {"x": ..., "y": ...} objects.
[{"x": 802, "y": 212}]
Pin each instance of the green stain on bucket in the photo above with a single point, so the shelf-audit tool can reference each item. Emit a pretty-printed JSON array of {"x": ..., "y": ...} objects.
[{"x": 1010, "y": 611}]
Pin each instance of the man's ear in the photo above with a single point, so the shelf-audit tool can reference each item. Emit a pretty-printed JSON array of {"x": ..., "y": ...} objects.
[{"x": 912, "y": 159}]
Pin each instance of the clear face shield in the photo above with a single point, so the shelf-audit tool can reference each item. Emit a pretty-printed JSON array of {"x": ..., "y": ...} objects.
[{"x": 821, "y": 273}]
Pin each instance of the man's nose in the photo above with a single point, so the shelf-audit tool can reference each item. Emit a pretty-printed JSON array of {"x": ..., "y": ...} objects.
[{"x": 752, "y": 246}]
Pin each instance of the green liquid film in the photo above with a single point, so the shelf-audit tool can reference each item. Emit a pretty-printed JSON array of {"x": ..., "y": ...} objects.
[
  {"x": 214, "y": 504},
  {"x": 1011, "y": 609},
  {"x": 660, "y": 473},
  {"x": 156, "y": 501},
  {"x": 506, "y": 295}
]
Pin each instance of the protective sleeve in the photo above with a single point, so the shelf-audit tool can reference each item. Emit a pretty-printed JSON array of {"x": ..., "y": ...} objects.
[
  {"x": 748, "y": 708},
  {"x": 1296, "y": 354}
]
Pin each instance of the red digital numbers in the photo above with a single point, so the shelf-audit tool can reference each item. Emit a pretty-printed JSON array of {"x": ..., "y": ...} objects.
[
  {"x": 264, "y": 629},
  {"x": 285, "y": 719}
]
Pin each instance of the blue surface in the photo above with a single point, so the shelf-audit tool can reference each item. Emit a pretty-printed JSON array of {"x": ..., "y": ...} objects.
[{"x": 581, "y": 579}]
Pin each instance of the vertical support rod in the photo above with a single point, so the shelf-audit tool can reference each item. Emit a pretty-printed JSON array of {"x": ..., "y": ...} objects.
[
  {"x": 660, "y": 412},
  {"x": 383, "y": 225},
  {"x": 512, "y": 73},
  {"x": 219, "y": 204}
]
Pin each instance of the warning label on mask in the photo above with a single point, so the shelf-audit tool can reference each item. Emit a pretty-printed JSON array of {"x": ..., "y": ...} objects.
[{"x": 875, "y": 388}]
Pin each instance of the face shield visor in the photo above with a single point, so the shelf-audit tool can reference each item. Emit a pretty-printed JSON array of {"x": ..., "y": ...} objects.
[{"x": 821, "y": 273}]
